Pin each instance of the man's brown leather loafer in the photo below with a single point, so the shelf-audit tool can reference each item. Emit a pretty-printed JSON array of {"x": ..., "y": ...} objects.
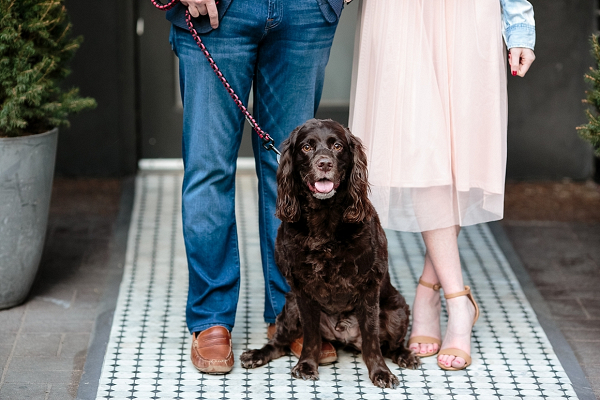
[
  {"x": 211, "y": 351},
  {"x": 327, "y": 355}
]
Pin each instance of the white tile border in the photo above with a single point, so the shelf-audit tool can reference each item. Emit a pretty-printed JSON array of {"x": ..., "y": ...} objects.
[{"x": 148, "y": 352}]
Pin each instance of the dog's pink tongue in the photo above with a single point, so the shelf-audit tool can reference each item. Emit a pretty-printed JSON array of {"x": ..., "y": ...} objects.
[{"x": 324, "y": 186}]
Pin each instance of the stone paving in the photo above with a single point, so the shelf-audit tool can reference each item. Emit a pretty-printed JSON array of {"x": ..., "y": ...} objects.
[
  {"x": 563, "y": 260},
  {"x": 555, "y": 230},
  {"x": 44, "y": 342}
]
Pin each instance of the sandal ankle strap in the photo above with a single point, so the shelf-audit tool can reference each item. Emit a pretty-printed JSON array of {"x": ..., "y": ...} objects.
[
  {"x": 465, "y": 292},
  {"x": 433, "y": 286}
]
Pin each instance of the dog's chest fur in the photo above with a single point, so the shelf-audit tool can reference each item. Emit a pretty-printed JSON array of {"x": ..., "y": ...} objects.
[{"x": 324, "y": 263}]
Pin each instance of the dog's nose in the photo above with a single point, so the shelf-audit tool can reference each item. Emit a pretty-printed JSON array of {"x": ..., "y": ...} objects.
[{"x": 325, "y": 164}]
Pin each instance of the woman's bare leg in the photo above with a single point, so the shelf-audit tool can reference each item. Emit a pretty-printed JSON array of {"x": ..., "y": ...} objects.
[
  {"x": 442, "y": 249},
  {"x": 426, "y": 311}
]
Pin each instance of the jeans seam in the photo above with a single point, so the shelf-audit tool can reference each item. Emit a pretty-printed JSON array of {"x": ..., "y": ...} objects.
[
  {"x": 279, "y": 20},
  {"x": 238, "y": 262},
  {"x": 263, "y": 226}
]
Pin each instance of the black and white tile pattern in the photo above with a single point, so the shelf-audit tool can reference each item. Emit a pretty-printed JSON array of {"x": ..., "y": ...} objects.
[{"x": 148, "y": 353}]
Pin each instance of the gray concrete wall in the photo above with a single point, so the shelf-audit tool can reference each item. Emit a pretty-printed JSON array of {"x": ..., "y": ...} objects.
[
  {"x": 545, "y": 106},
  {"x": 336, "y": 89}
]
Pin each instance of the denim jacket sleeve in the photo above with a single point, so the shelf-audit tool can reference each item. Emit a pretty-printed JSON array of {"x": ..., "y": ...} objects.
[{"x": 518, "y": 24}]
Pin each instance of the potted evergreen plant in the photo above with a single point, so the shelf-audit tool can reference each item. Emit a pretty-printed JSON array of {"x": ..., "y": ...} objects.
[
  {"x": 591, "y": 130},
  {"x": 35, "y": 48}
]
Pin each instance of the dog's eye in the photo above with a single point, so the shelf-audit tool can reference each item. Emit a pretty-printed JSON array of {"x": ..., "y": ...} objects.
[
  {"x": 306, "y": 148},
  {"x": 338, "y": 147}
]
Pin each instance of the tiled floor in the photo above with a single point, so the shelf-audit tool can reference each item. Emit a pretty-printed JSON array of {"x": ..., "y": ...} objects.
[{"x": 148, "y": 353}]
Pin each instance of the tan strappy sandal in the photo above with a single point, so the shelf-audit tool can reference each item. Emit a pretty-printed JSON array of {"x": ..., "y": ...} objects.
[
  {"x": 458, "y": 352},
  {"x": 427, "y": 339}
]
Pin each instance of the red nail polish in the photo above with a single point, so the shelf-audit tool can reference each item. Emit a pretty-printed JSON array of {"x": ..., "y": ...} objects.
[{"x": 514, "y": 73}]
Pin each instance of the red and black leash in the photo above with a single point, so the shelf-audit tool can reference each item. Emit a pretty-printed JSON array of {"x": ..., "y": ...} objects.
[{"x": 268, "y": 142}]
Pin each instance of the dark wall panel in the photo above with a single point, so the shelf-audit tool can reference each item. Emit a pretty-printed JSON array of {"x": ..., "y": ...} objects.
[
  {"x": 102, "y": 142},
  {"x": 545, "y": 106}
]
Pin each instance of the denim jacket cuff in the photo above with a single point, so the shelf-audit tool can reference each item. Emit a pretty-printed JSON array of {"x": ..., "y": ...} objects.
[{"x": 520, "y": 35}]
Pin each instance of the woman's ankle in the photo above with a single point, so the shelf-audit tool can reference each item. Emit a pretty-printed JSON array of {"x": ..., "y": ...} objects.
[
  {"x": 461, "y": 314},
  {"x": 426, "y": 313}
]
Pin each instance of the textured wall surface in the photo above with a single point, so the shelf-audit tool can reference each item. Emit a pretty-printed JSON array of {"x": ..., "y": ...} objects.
[{"x": 545, "y": 106}]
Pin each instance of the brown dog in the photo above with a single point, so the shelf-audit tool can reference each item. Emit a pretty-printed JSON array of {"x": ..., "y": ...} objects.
[{"x": 333, "y": 252}]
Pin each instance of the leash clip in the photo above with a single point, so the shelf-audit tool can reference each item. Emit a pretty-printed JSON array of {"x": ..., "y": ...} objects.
[{"x": 269, "y": 144}]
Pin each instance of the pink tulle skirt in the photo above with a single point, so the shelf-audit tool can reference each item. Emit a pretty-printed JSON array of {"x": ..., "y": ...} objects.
[{"x": 429, "y": 102}]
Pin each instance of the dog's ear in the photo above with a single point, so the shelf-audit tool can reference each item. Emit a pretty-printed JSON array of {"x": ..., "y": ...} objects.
[
  {"x": 287, "y": 207},
  {"x": 358, "y": 183}
]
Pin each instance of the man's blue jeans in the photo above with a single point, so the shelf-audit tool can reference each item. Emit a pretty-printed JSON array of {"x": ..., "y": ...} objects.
[{"x": 280, "y": 48}]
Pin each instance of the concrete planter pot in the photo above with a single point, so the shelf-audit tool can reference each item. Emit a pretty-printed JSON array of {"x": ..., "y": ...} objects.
[{"x": 26, "y": 173}]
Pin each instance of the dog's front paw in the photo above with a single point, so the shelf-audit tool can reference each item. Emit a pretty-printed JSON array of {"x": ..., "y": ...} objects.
[
  {"x": 305, "y": 370},
  {"x": 385, "y": 379},
  {"x": 252, "y": 359},
  {"x": 410, "y": 361}
]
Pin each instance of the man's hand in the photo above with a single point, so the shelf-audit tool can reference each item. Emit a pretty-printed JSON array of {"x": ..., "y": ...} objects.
[
  {"x": 203, "y": 7},
  {"x": 520, "y": 60}
]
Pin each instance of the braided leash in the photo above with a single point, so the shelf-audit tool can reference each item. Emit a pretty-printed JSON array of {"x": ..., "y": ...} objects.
[{"x": 268, "y": 142}]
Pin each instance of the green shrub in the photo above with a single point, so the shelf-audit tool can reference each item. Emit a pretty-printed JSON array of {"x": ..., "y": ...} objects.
[
  {"x": 35, "y": 49},
  {"x": 591, "y": 130}
]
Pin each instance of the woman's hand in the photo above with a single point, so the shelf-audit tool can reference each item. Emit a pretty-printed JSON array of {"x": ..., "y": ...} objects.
[
  {"x": 203, "y": 7},
  {"x": 520, "y": 60}
]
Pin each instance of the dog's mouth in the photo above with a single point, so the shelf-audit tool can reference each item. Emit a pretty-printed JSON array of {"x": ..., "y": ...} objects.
[{"x": 323, "y": 188}]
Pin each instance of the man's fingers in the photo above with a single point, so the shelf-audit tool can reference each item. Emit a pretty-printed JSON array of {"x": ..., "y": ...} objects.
[
  {"x": 203, "y": 7},
  {"x": 213, "y": 14},
  {"x": 193, "y": 10},
  {"x": 191, "y": 7}
]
